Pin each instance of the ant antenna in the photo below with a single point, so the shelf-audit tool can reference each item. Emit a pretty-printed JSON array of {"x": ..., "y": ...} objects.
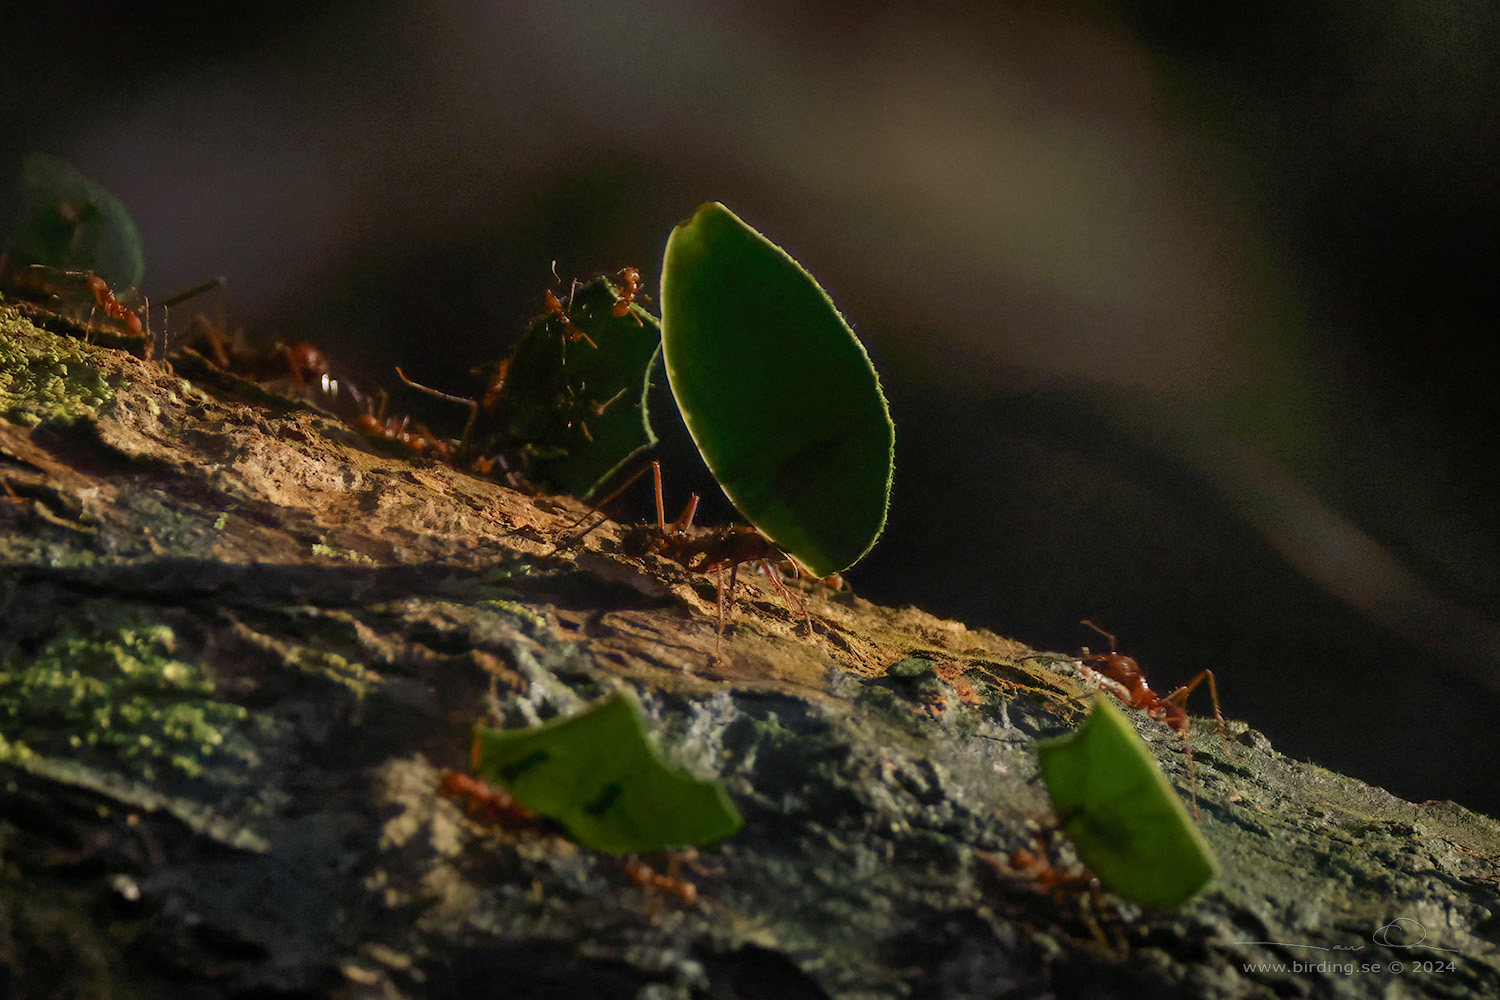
[
  {"x": 194, "y": 292},
  {"x": 595, "y": 508},
  {"x": 1106, "y": 635},
  {"x": 469, "y": 404}
]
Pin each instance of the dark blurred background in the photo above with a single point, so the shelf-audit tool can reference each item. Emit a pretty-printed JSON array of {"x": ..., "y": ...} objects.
[{"x": 1186, "y": 312}]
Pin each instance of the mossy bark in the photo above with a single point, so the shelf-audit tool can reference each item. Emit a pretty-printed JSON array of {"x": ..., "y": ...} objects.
[{"x": 240, "y": 640}]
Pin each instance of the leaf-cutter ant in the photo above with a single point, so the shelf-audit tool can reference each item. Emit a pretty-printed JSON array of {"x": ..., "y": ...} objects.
[
  {"x": 71, "y": 291},
  {"x": 1035, "y": 865},
  {"x": 652, "y": 881},
  {"x": 483, "y": 801},
  {"x": 554, "y": 307},
  {"x": 106, "y": 300},
  {"x": 629, "y": 290},
  {"x": 1121, "y": 676},
  {"x": 701, "y": 550}
]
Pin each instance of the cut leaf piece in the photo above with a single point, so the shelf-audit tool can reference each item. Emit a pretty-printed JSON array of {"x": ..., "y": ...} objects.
[
  {"x": 599, "y": 775},
  {"x": 574, "y": 398},
  {"x": 67, "y": 221},
  {"x": 777, "y": 392},
  {"x": 1122, "y": 814}
]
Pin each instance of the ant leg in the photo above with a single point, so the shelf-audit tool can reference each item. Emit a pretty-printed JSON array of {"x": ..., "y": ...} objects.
[
  {"x": 684, "y": 520},
  {"x": 656, "y": 474},
  {"x": 719, "y": 586},
  {"x": 719, "y": 637},
  {"x": 1179, "y": 697},
  {"x": 786, "y": 595},
  {"x": 1187, "y": 748},
  {"x": 573, "y": 332},
  {"x": 196, "y": 290},
  {"x": 1114, "y": 687}
]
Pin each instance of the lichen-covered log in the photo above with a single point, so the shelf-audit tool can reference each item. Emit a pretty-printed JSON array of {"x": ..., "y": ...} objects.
[{"x": 239, "y": 641}]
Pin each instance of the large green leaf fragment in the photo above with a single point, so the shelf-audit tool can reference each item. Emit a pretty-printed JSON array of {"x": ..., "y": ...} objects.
[
  {"x": 1122, "y": 814},
  {"x": 776, "y": 390},
  {"x": 574, "y": 407},
  {"x": 600, "y": 776},
  {"x": 69, "y": 222}
]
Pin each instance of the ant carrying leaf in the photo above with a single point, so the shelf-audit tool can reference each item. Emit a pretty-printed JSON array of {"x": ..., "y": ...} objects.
[
  {"x": 702, "y": 550},
  {"x": 82, "y": 300},
  {"x": 569, "y": 403},
  {"x": 777, "y": 392},
  {"x": 1122, "y": 677},
  {"x": 68, "y": 222},
  {"x": 600, "y": 775},
  {"x": 1122, "y": 814}
]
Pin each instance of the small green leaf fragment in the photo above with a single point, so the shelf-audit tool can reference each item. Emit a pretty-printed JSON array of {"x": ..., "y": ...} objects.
[
  {"x": 776, "y": 390},
  {"x": 575, "y": 406},
  {"x": 1122, "y": 814},
  {"x": 599, "y": 775},
  {"x": 67, "y": 221}
]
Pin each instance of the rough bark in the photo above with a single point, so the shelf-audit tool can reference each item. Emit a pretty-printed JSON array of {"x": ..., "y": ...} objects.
[{"x": 239, "y": 641}]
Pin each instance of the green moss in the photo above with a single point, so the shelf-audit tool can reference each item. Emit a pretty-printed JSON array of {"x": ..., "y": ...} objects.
[
  {"x": 115, "y": 695},
  {"x": 516, "y": 610},
  {"x": 44, "y": 377},
  {"x": 332, "y": 552}
]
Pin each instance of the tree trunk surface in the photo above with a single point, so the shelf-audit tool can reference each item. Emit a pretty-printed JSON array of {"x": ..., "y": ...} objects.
[{"x": 240, "y": 641}]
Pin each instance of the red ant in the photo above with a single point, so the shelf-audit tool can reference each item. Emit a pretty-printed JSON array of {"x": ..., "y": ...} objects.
[
  {"x": 699, "y": 550},
  {"x": 1037, "y": 866},
  {"x": 795, "y": 571},
  {"x": 494, "y": 384},
  {"x": 112, "y": 308},
  {"x": 554, "y": 307},
  {"x": 1073, "y": 880},
  {"x": 303, "y": 359},
  {"x": 298, "y": 370},
  {"x": 483, "y": 801},
  {"x": 461, "y": 454},
  {"x": 1121, "y": 676},
  {"x": 649, "y": 879},
  {"x": 68, "y": 286},
  {"x": 415, "y": 436},
  {"x": 630, "y": 288}
]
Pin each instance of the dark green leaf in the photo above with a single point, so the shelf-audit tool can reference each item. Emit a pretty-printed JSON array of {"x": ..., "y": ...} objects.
[
  {"x": 1122, "y": 814},
  {"x": 576, "y": 410},
  {"x": 69, "y": 222},
  {"x": 776, "y": 390},
  {"x": 599, "y": 775}
]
